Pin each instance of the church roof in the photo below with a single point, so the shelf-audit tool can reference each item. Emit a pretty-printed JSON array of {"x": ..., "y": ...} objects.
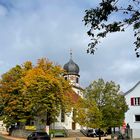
[
  {"x": 73, "y": 96},
  {"x": 71, "y": 67}
]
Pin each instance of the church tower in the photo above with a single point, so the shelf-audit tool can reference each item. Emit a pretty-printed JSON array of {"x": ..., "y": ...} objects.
[{"x": 72, "y": 72}]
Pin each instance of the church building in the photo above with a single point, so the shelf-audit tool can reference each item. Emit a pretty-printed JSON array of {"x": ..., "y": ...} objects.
[{"x": 72, "y": 74}]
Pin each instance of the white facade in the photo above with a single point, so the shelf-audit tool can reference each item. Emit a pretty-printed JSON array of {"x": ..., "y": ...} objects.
[
  {"x": 68, "y": 122},
  {"x": 132, "y": 116}
]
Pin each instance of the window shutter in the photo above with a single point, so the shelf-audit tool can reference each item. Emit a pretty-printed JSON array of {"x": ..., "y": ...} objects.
[
  {"x": 138, "y": 100},
  {"x": 132, "y": 101}
]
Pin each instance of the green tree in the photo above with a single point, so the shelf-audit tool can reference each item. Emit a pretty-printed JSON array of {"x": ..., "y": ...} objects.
[
  {"x": 29, "y": 92},
  {"x": 87, "y": 113},
  {"x": 102, "y": 106},
  {"x": 100, "y": 24},
  {"x": 10, "y": 95}
]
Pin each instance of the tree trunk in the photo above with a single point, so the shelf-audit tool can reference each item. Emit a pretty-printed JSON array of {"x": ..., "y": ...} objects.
[
  {"x": 99, "y": 134},
  {"x": 48, "y": 119},
  {"x": 113, "y": 133}
]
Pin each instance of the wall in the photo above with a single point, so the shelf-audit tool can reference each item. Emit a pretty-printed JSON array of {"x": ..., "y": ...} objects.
[
  {"x": 133, "y": 110},
  {"x": 130, "y": 114},
  {"x": 136, "y": 134},
  {"x": 2, "y": 126}
]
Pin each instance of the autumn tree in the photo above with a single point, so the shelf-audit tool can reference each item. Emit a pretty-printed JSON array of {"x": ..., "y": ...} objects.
[
  {"x": 102, "y": 106},
  {"x": 10, "y": 95},
  {"x": 31, "y": 91},
  {"x": 100, "y": 24}
]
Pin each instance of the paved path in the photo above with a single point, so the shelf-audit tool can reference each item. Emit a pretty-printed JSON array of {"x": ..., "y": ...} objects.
[
  {"x": 10, "y": 138},
  {"x": 73, "y": 138},
  {"x": 58, "y": 138},
  {"x": 79, "y": 138}
]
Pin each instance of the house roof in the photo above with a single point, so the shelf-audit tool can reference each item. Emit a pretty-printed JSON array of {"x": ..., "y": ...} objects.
[{"x": 132, "y": 89}]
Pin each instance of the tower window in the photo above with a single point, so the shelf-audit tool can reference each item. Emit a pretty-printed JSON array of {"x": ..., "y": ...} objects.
[
  {"x": 77, "y": 80},
  {"x": 65, "y": 78}
]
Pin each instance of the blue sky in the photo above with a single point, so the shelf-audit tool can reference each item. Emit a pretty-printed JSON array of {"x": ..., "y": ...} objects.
[{"x": 32, "y": 29}]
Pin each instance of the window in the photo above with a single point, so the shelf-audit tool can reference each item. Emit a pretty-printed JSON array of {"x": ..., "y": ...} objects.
[
  {"x": 137, "y": 118},
  {"x": 62, "y": 115},
  {"x": 74, "y": 113},
  {"x": 77, "y": 80},
  {"x": 65, "y": 78},
  {"x": 135, "y": 101},
  {"x": 29, "y": 122}
]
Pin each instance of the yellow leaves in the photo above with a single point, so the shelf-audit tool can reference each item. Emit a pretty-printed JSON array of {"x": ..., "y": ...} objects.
[
  {"x": 31, "y": 76},
  {"x": 30, "y": 90},
  {"x": 13, "y": 103},
  {"x": 27, "y": 65}
]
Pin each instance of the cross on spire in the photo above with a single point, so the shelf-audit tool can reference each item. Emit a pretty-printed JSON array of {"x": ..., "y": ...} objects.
[{"x": 70, "y": 53}]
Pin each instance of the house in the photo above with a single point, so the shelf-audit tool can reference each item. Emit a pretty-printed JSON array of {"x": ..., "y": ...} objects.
[{"x": 132, "y": 116}]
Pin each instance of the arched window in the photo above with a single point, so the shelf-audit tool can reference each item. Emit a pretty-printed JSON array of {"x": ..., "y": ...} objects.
[
  {"x": 63, "y": 115},
  {"x": 77, "y": 80},
  {"x": 66, "y": 78}
]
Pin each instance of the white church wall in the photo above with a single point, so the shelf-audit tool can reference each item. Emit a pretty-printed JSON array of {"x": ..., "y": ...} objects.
[
  {"x": 66, "y": 124},
  {"x": 78, "y": 91},
  {"x": 2, "y": 126}
]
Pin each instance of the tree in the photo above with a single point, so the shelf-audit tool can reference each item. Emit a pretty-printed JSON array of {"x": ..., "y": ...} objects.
[
  {"x": 10, "y": 95},
  {"x": 29, "y": 92},
  {"x": 88, "y": 111},
  {"x": 98, "y": 20},
  {"x": 102, "y": 106}
]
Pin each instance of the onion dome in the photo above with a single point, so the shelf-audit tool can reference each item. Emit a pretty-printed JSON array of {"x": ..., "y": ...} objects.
[{"x": 71, "y": 67}]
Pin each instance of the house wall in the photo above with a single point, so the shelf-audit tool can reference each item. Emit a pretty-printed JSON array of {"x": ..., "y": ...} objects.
[
  {"x": 136, "y": 134},
  {"x": 133, "y": 110}
]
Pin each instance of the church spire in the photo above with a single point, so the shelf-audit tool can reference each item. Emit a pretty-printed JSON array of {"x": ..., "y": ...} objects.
[
  {"x": 70, "y": 53},
  {"x": 72, "y": 71}
]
